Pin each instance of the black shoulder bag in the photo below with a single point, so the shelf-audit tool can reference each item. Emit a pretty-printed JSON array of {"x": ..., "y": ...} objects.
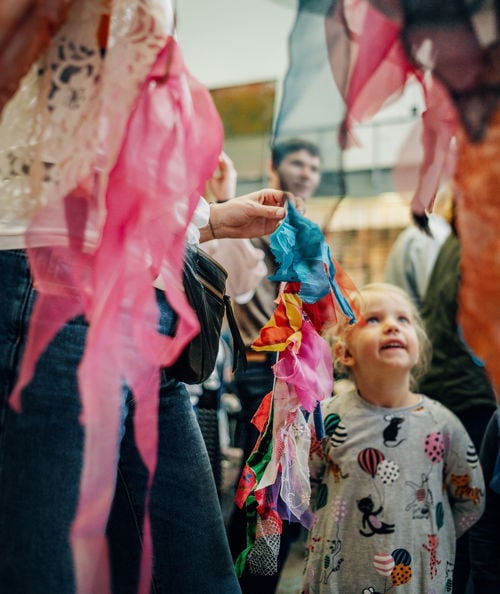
[{"x": 205, "y": 286}]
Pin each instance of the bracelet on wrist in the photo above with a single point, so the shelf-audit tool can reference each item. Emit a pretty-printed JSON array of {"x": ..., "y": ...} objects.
[{"x": 210, "y": 223}]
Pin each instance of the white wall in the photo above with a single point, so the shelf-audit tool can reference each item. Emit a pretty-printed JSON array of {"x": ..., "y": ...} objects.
[{"x": 228, "y": 42}]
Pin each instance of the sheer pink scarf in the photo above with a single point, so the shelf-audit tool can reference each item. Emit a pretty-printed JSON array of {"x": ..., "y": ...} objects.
[{"x": 171, "y": 146}]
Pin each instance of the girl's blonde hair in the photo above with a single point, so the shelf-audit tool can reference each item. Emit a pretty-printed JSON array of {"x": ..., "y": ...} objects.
[{"x": 338, "y": 334}]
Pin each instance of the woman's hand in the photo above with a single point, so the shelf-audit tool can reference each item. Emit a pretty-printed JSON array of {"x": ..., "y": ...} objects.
[{"x": 251, "y": 215}]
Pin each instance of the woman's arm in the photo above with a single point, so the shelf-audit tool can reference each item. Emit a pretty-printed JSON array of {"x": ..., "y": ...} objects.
[{"x": 251, "y": 215}]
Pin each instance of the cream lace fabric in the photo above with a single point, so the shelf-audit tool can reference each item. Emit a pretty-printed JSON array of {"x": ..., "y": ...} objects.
[{"x": 65, "y": 124}]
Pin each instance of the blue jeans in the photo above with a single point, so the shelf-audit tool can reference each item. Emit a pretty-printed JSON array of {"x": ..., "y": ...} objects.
[{"x": 41, "y": 460}]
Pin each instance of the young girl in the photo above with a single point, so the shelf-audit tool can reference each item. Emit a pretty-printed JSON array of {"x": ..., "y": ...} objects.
[{"x": 396, "y": 479}]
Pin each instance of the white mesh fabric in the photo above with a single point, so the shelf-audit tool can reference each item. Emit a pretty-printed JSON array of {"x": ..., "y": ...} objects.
[{"x": 263, "y": 557}]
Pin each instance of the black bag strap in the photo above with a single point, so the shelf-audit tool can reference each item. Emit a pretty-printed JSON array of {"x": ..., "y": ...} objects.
[{"x": 239, "y": 351}]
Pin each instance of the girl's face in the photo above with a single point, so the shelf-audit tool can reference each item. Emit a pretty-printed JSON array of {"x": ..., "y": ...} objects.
[{"x": 385, "y": 337}]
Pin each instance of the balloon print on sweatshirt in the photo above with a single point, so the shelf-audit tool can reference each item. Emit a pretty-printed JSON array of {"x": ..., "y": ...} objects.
[
  {"x": 388, "y": 472},
  {"x": 401, "y": 574},
  {"x": 435, "y": 447},
  {"x": 472, "y": 457},
  {"x": 374, "y": 463},
  {"x": 335, "y": 429},
  {"x": 384, "y": 564},
  {"x": 401, "y": 556},
  {"x": 394, "y": 567},
  {"x": 369, "y": 459}
]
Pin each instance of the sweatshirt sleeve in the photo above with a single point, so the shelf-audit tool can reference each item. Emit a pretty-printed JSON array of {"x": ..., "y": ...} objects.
[{"x": 464, "y": 480}]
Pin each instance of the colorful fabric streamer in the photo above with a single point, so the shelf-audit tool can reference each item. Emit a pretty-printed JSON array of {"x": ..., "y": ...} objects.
[{"x": 275, "y": 482}]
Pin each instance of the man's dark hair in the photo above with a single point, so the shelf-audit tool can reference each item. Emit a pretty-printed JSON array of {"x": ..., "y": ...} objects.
[{"x": 281, "y": 149}]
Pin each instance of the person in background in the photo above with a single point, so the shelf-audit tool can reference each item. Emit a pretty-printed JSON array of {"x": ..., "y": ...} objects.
[
  {"x": 412, "y": 256},
  {"x": 484, "y": 536},
  {"x": 295, "y": 167},
  {"x": 455, "y": 377},
  {"x": 396, "y": 479}
]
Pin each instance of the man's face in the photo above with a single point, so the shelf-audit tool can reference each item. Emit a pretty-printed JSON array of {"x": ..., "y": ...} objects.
[{"x": 299, "y": 173}]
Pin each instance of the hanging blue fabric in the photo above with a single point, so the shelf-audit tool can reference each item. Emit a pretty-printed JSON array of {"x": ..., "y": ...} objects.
[
  {"x": 303, "y": 256},
  {"x": 297, "y": 246},
  {"x": 341, "y": 300}
]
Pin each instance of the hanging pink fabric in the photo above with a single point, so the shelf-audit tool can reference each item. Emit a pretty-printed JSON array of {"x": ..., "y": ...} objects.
[
  {"x": 380, "y": 72},
  {"x": 170, "y": 149},
  {"x": 380, "y": 68},
  {"x": 308, "y": 369}
]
